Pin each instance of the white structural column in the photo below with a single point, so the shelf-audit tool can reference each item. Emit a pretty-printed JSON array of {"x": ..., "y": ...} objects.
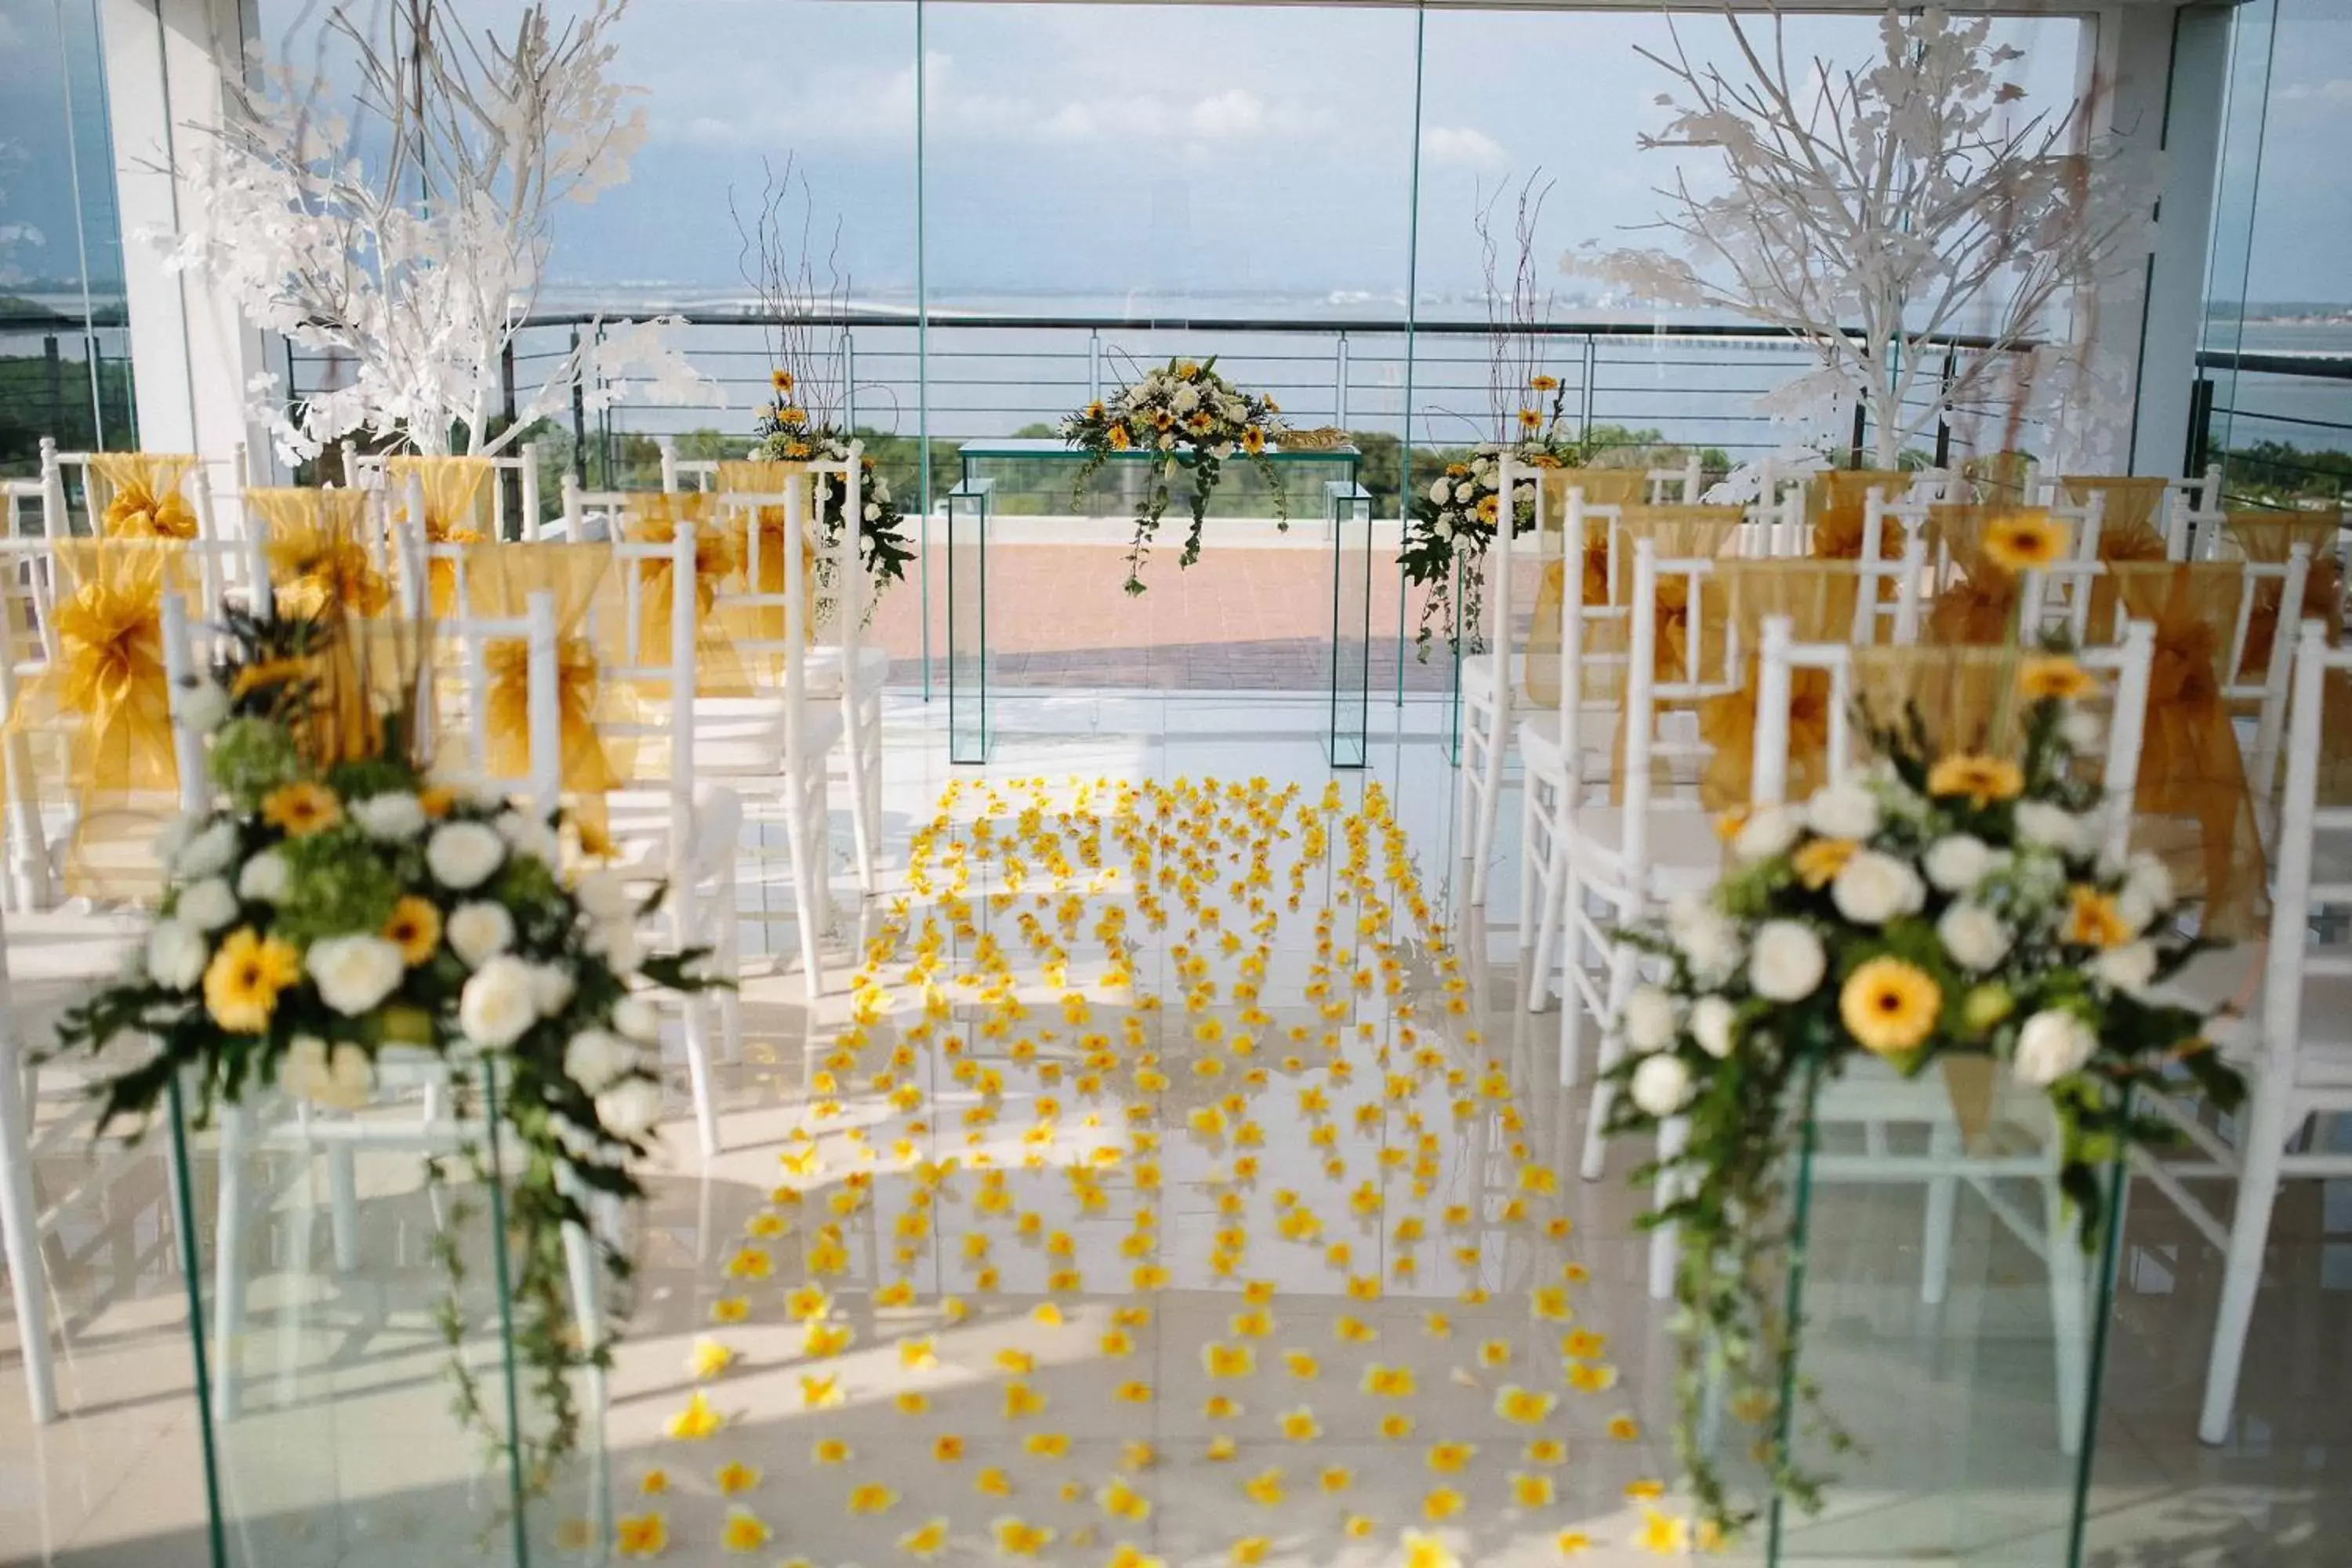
[
  {"x": 2158, "y": 73},
  {"x": 193, "y": 355}
]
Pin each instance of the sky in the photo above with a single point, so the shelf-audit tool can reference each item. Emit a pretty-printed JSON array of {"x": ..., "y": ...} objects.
[{"x": 1150, "y": 152}]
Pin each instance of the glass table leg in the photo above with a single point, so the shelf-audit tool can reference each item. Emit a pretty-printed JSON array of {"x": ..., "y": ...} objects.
[
  {"x": 1347, "y": 513},
  {"x": 968, "y": 717}
]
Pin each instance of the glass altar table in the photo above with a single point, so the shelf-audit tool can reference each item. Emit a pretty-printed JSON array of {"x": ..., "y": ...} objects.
[{"x": 1038, "y": 476}]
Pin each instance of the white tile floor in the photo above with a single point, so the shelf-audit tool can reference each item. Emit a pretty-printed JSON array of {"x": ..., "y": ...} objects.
[{"x": 1953, "y": 1402}]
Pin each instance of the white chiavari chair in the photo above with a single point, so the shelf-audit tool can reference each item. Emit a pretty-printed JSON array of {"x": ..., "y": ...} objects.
[
  {"x": 1494, "y": 681},
  {"x": 2294, "y": 1041},
  {"x": 684, "y": 473},
  {"x": 775, "y": 744},
  {"x": 670, "y": 825},
  {"x": 1676, "y": 485},
  {"x": 1871, "y": 1100},
  {"x": 366, "y": 470}
]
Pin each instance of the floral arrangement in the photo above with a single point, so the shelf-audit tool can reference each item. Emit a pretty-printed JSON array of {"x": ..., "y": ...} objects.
[
  {"x": 1937, "y": 905},
  {"x": 1453, "y": 522},
  {"x": 324, "y": 914},
  {"x": 787, "y": 435},
  {"x": 1181, "y": 414}
]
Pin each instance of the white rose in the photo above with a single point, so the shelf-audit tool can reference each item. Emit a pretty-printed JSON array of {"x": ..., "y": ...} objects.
[
  {"x": 1872, "y": 889},
  {"x": 176, "y": 955},
  {"x": 204, "y": 707},
  {"x": 593, "y": 1058},
  {"x": 207, "y": 905},
  {"x": 2081, "y": 730},
  {"x": 2130, "y": 969},
  {"x": 1843, "y": 811},
  {"x": 1767, "y": 833},
  {"x": 1709, "y": 943},
  {"x": 1973, "y": 936},
  {"x": 355, "y": 974},
  {"x": 263, "y": 880},
  {"x": 2049, "y": 827},
  {"x": 1662, "y": 1085},
  {"x": 873, "y": 511},
  {"x": 1463, "y": 492},
  {"x": 604, "y": 894},
  {"x": 1958, "y": 863},
  {"x": 1787, "y": 963},
  {"x": 462, "y": 855},
  {"x": 638, "y": 1018},
  {"x": 2147, "y": 890},
  {"x": 881, "y": 488},
  {"x": 551, "y": 988},
  {"x": 207, "y": 853},
  {"x": 2052, "y": 1045},
  {"x": 1166, "y": 443},
  {"x": 391, "y": 818},
  {"x": 631, "y": 1107},
  {"x": 1650, "y": 1019},
  {"x": 478, "y": 932},
  {"x": 172, "y": 841},
  {"x": 526, "y": 835},
  {"x": 497, "y": 1005},
  {"x": 1711, "y": 1020},
  {"x": 1440, "y": 489}
]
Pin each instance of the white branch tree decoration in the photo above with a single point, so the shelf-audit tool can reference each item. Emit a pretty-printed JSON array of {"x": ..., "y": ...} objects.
[
  {"x": 408, "y": 239},
  {"x": 1876, "y": 213}
]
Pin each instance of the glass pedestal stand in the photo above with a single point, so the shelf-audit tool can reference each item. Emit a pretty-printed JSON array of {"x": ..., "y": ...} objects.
[
  {"x": 323, "y": 1330},
  {"x": 1347, "y": 515},
  {"x": 969, "y": 505}
]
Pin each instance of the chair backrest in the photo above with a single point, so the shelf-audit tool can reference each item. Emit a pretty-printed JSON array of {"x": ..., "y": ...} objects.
[
  {"x": 461, "y": 676},
  {"x": 367, "y": 470},
  {"x": 662, "y": 671},
  {"x": 1544, "y": 542},
  {"x": 684, "y": 473},
  {"x": 1677, "y": 486},
  {"x": 2297, "y": 890},
  {"x": 773, "y": 607},
  {"x": 1968, "y": 685}
]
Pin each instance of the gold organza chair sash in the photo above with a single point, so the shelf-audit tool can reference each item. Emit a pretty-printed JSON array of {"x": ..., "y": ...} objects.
[
  {"x": 93, "y": 730},
  {"x": 2270, "y": 537},
  {"x": 320, "y": 570},
  {"x": 1818, "y": 598},
  {"x": 1679, "y": 534},
  {"x": 455, "y": 494},
  {"x": 1979, "y": 603},
  {"x": 1835, "y": 500},
  {"x": 145, "y": 497},
  {"x": 2194, "y": 804},
  {"x": 775, "y": 533},
  {"x": 1601, "y": 487},
  {"x": 590, "y": 633},
  {"x": 719, "y": 665},
  {"x": 2131, "y": 512}
]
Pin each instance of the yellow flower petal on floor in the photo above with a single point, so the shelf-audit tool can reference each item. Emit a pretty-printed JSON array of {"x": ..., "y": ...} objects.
[
  {"x": 1522, "y": 1407},
  {"x": 911, "y": 1402},
  {"x": 641, "y": 1535},
  {"x": 1135, "y": 1392},
  {"x": 1645, "y": 1490},
  {"x": 1388, "y": 1381},
  {"x": 1447, "y": 1459},
  {"x": 1571, "y": 1543},
  {"x": 1663, "y": 1534},
  {"x": 1223, "y": 1447},
  {"x": 744, "y": 1532},
  {"x": 1123, "y": 1501},
  {"x": 1441, "y": 1504},
  {"x": 1020, "y": 1400},
  {"x": 807, "y": 1303},
  {"x": 730, "y": 1309},
  {"x": 1547, "y": 1451},
  {"x": 871, "y": 1497},
  {"x": 1589, "y": 1379},
  {"x": 1396, "y": 1428},
  {"x": 1531, "y": 1491},
  {"x": 696, "y": 1421},
  {"x": 1424, "y": 1551},
  {"x": 1228, "y": 1361},
  {"x": 1249, "y": 1549},
  {"x": 736, "y": 1477},
  {"x": 653, "y": 1482},
  {"x": 821, "y": 1392},
  {"x": 1495, "y": 1354},
  {"x": 925, "y": 1541},
  {"x": 822, "y": 1340},
  {"x": 1127, "y": 1556}
]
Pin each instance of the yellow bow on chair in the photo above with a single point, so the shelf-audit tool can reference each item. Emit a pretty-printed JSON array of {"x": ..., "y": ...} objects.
[
  {"x": 145, "y": 501},
  {"x": 1727, "y": 724},
  {"x": 2190, "y": 772},
  {"x": 655, "y": 520},
  {"x": 320, "y": 570},
  {"x": 499, "y": 581},
  {"x": 2269, "y": 537},
  {"x": 775, "y": 534},
  {"x": 454, "y": 491}
]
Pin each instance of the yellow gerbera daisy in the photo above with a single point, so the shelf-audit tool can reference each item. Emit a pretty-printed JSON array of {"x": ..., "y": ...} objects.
[
  {"x": 2046, "y": 676},
  {"x": 1983, "y": 779},
  {"x": 415, "y": 928},
  {"x": 1819, "y": 862},
  {"x": 302, "y": 809},
  {"x": 1889, "y": 1005},
  {"x": 2025, "y": 541},
  {"x": 2093, "y": 920},
  {"x": 243, "y": 978}
]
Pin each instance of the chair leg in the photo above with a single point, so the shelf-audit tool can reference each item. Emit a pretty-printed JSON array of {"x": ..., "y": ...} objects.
[
  {"x": 1526, "y": 928},
  {"x": 1490, "y": 800},
  {"x": 1550, "y": 879},
  {"x": 1571, "y": 988},
  {"x": 2249, "y": 1229},
  {"x": 20, "y": 1231},
  {"x": 1604, "y": 1092},
  {"x": 697, "y": 1073},
  {"x": 343, "y": 1205},
  {"x": 861, "y": 831},
  {"x": 807, "y": 866}
]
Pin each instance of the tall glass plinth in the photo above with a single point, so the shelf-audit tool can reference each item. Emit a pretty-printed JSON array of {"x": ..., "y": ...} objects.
[
  {"x": 1947, "y": 1317},
  {"x": 969, "y": 506},
  {"x": 1348, "y": 517},
  {"x": 324, "y": 1331}
]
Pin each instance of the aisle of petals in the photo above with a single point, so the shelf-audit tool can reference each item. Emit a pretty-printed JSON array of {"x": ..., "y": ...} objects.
[{"x": 1156, "y": 1204}]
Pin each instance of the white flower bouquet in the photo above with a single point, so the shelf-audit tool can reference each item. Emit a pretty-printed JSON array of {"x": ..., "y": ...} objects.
[
  {"x": 1939, "y": 906},
  {"x": 1186, "y": 414},
  {"x": 323, "y": 915}
]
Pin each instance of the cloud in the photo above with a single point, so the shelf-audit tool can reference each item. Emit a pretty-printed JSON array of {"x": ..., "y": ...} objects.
[
  {"x": 2328, "y": 93},
  {"x": 1462, "y": 146},
  {"x": 1233, "y": 113}
]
